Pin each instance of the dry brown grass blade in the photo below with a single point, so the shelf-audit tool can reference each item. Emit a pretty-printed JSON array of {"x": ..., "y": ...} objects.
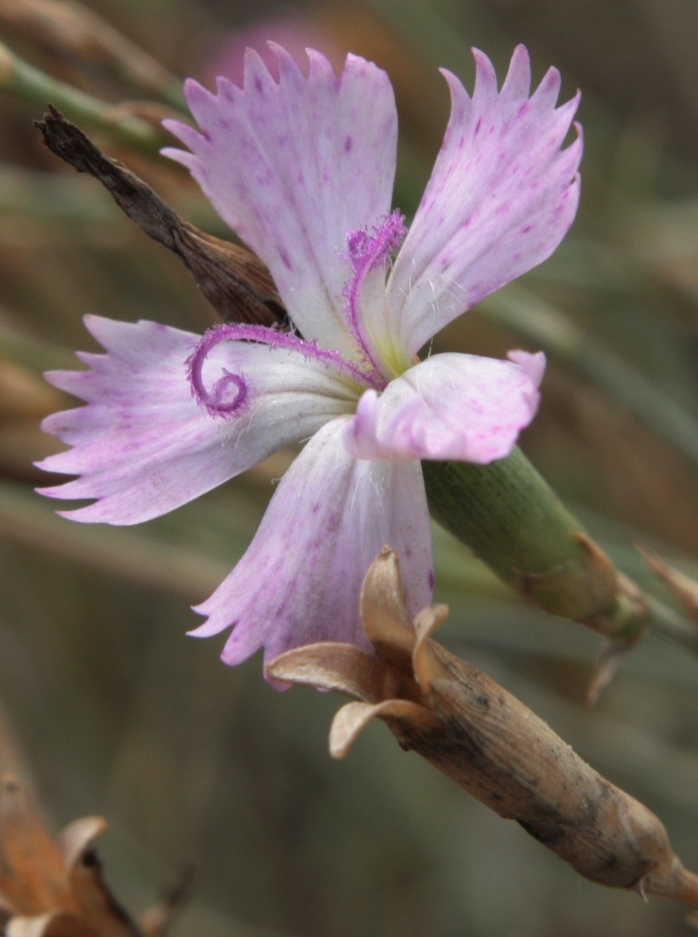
[
  {"x": 684, "y": 588},
  {"x": 72, "y": 32},
  {"x": 36, "y": 879}
]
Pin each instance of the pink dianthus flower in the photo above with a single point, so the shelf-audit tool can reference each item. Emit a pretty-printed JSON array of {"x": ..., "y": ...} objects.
[{"x": 302, "y": 169}]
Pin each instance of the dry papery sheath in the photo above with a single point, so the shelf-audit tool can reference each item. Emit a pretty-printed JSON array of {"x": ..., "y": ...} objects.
[
  {"x": 55, "y": 888},
  {"x": 486, "y": 741}
]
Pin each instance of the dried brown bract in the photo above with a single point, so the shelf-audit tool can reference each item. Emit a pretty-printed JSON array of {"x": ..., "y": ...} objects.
[
  {"x": 55, "y": 888},
  {"x": 486, "y": 740}
]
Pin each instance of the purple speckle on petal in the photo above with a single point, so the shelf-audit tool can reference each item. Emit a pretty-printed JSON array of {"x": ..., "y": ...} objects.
[
  {"x": 348, "y": 145},
  {"x": 285, "y": 258},
  {"x": 430, "y": 579}
]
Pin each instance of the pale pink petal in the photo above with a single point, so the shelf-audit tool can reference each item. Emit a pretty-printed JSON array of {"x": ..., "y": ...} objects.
[
  {"x": 450, "y": 406},
  {"x": 293, "y": 166},
  {"x": 324, "y": 526},
  {"x": 500, "y": 199},
  {"x": 294, "y": 31},
  {"x": 143, "y": 445},
  {"x": 532, "y": 364}
]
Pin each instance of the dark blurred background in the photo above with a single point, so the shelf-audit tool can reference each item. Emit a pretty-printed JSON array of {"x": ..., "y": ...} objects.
[{"x": 107, "y": 707}]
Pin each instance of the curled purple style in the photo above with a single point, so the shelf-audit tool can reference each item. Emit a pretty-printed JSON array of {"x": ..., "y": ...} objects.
[{"x": 215, "y": 400}]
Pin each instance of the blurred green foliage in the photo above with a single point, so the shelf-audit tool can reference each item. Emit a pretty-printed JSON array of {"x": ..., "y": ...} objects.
[{"x": 119, "y": 713}]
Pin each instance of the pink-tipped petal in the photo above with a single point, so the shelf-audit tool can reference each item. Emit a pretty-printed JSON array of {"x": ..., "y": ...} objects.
[
  {"x": 300, "y": 579},
  {"x": 501, "y": 197},
  {"x": 533, "y": 363},
  {"x": 450, "y": 406},
  {"x": 143, "y": 445},
  {"x": 293, "y": 166}
]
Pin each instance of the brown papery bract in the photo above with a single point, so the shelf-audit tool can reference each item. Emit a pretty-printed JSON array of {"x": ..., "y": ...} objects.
[
  {"x": 55, "y": 888},
  {"x": 486, "y": 740}
]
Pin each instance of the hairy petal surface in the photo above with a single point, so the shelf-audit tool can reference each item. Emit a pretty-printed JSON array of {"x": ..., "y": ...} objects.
[
  {"x": 326, "y": 523},
  {"x": 143, "y": 445},
  {"x": 500, "y": 199},
  {"x": 293, "y": 166},
  {"x": 451, "y": 406},
  {"x": 369, "y": 254}
]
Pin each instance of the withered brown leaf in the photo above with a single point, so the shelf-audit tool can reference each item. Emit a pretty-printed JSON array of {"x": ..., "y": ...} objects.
[{"x": 234, "y": 280}]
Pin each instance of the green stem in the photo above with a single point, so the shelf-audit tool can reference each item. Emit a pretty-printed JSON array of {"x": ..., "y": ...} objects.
[
  {"x": 513, "y": 521},
  {"x": 37, "y": 87},
  {"x": 529, "y": 528}
]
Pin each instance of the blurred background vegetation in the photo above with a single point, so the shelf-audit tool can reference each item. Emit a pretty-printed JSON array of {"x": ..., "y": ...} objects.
[{"x": 107, "y": 707}]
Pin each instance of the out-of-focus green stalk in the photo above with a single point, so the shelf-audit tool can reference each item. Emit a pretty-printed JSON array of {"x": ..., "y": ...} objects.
[
  {"x": 500, "y": 510},
  {"x": 511, "y": 519},
  {"x": 47, "y": 196},
  {"x": 32, "y": 353},
  {"x": 36, "y": 86},
  {"x": 81, "y": 37}
]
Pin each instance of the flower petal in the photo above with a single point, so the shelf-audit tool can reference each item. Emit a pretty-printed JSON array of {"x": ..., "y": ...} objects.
[
  {"x": 449, "y": 407},
  {"x": 143, "y": 445},
  {"x": 500, "y": 199},
  {"x": 294, "y": 166},
  {"x": 299, "y": 581}
]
